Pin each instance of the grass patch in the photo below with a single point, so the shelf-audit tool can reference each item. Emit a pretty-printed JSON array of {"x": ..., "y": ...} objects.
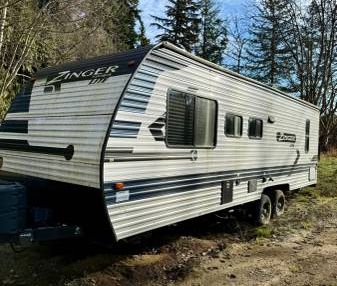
[
  {"x": 265, "y": 231},
  {"x": 308, "y": 194},
  {"x": 306, "y": 225},
  {"x": 326, "y": 182},
  {"x": 294, "y": 268},
  {"x": 327, "y": 177}
]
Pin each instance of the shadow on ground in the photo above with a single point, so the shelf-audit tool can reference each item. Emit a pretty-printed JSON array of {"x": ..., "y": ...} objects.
[{"x": 173, "y": 249}]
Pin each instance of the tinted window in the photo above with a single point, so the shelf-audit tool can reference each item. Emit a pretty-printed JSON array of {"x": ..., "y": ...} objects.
[
  {"x": 307, "y": 136},
  {"x": 233, "y": 125},
  {"x": 191, "y": 120},
  {"x": 205, "y": 121},
  {"x": 255, "y": 128}
]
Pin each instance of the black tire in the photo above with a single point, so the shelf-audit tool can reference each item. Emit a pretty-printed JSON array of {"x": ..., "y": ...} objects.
[
  {"x": 263, "y": 211},
  {"x": 279, "y": 202}
]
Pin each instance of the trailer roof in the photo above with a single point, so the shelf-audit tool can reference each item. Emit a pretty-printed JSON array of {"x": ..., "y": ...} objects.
[
  {"x": 136, "y": 56},
  {"x": 122, "y": 58}
]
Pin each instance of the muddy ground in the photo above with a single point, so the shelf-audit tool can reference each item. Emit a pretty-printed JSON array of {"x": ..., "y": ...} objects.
[{"x": 300, "y": 248}]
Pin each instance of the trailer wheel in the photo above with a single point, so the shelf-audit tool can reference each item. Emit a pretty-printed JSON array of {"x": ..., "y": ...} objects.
[
  {"x": 279, "y": 202},
  {"x": 263, "y": 210}
]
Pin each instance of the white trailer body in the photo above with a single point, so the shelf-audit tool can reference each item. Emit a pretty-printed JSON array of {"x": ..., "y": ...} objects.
[{"x": 160, "y": 135}]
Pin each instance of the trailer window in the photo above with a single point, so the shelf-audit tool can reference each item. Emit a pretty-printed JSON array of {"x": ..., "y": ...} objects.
[
  {"x": 191, "y": 121},
  {"x": 233, "y": 125},
  {"x": 255, "y": 128},
  {"x": 307, "y": 135}
]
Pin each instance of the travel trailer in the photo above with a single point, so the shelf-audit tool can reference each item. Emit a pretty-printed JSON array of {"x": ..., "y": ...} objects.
[{"x": 122, "y": 144}]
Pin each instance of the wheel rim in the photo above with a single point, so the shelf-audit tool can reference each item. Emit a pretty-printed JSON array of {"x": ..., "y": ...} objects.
[
  {"x": 265, "y": 214},
  {"x": 280, "y": 205}
]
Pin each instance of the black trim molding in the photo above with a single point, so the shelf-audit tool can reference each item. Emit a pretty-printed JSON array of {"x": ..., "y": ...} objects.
[{"x": 23, "y": 146}]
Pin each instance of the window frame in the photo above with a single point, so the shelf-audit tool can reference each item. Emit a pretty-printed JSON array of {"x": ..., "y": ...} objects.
[
  {"x": 307, "y": 136},
  {"x": 167, "y": 118},
  {"x": 225, "y": 126},
  {"x": 262, "y": 129}
]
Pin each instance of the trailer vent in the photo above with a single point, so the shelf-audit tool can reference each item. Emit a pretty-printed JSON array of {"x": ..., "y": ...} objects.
[
  {"x": 252, "y": 186},
  {"x": 226, "y": 192}
]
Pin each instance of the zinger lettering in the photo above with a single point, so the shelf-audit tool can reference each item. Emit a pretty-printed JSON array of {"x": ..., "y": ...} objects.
[
  {"x": 98, "y": 75},
  {"x": 285, "y": 137}
]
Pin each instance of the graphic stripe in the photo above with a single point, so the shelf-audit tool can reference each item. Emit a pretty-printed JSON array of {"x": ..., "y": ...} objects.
[
  {"x": 125, "y": 129},
  {"x": 14, "y": 126},
  {"x": 111, "y": 156},
  {"x": 142, "y": 189}
]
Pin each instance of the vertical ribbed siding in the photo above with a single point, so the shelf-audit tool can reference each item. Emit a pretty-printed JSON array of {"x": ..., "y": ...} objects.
[
  {"x": 164, "y": 69},
  {"x": 78, "y": 115}
]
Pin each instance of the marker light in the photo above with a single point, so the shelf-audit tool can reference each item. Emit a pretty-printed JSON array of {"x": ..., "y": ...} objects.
[{"x": 119, "y": 186}]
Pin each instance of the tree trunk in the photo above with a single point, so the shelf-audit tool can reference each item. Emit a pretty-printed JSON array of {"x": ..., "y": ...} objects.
[{"x": 3, "y": 23}]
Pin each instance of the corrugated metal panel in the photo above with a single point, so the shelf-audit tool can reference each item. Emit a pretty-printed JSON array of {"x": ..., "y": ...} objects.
[
  {"x": 145, "y": 188},
  {"x": 165, "y": 69},
  {"x": 78, "y": 115},
  {"x": 173, "y": 50},
  {"x": 136, "y": 217},
  {"x": 56, "y": 130}
]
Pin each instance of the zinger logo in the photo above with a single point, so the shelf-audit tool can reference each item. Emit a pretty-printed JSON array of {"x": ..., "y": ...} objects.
[
  {"x": 95, "y": 76},
  {"x": 285, "y": 137}
]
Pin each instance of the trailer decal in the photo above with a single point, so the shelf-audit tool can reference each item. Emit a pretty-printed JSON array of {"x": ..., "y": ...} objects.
[
  {"x": 23, "y": 146},
  {"x": 98, "y": 75},
  {"x": 125, "y": 129},
  {"x": 153, "y": 156},
  {"x": 285, "y": 137},
  {"x": 14, "y": 126},
  {"x": 156, "y": 128},
  {"x": 143, "y": 189}
]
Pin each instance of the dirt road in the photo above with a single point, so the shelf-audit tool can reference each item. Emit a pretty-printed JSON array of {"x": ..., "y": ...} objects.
[
  {"x": 300, "y": 248},
  {"x": 304, "y": 258}
]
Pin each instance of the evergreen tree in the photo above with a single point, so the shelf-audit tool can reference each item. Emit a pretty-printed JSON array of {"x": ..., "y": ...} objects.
[
  {"x": 128, "y": 24},
  {"x": 142, "y": 39},
  {"x": 268, "y": 57},
  {"x": 122, "y": 25},
  {"x": 181, "y": 24},
  {"x": 213, "y": 33}
]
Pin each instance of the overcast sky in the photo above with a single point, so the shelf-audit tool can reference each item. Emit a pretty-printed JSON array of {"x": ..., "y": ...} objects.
[{"x": 157, "y": 7}]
